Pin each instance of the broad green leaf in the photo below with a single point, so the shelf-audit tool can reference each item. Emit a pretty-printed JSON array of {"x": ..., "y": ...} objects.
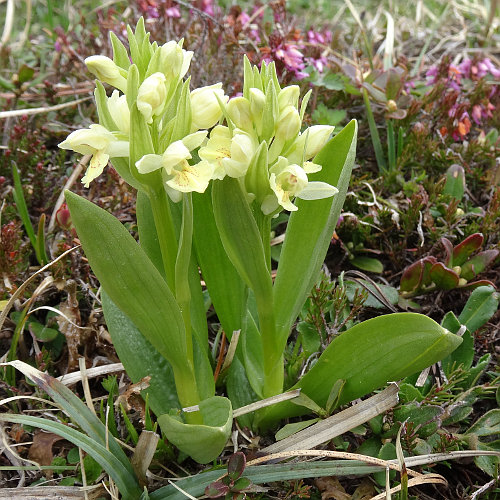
[
  {"x": 389, "y": 292},
  {"x": 124, "y": 478},
  {"x": 481, "y": 306},
  {"x": 309, "y": 231},
  {"x": 140, "y": 358},
  {"x": 226, "y": 288},
  {"x": 369, "y": 355},
  {"x": 205, "y": 442},
  {"x": 253, "y": 354},
  {"x": 130, "y": 278}
]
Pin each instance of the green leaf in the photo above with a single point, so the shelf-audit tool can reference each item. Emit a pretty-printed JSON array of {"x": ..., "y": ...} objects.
[
  {"x": 386, "y": 452},
  {"x": 140, "y": 358},
  {"x": 130, "y": 278},
  {"x": 240, "y": 391},
  {"x": 101, "y": 100},
  {"x": 96, "y": 443},
  {"x": 309, "y": 231},
  {"x": 125, "y": 479},
  {"x": 487, "y": 425},
  {"x": 120, "y": 55},
  {"x": 289, "y": 429},
  {"x": 455, "y": 183},
  {"x": 477, "y": 264},
  {"x": 205, "y": 442},
  {"x": 370, "y": 354},
  {"x": 466, "y": 248},
  {"x": 309, "y": 338},
  {"x": 240, "y": 235},
  {"x": 226, "y": 288},
  {"x": 367, "y": 264},
  {"x": 481, "y": 306},
  {"x": 463, "y": 355},
  {"x": 475, "y": 372}
]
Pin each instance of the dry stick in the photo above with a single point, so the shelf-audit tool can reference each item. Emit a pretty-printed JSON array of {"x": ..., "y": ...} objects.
[
  {"x": 37, "y": 111},
  {"x": 427, "y": 479},
  {"x": 71, "y": 180},
  {"x": 74, "y": 377}
]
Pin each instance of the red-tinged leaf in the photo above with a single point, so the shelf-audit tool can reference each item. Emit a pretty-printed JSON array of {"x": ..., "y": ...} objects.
[
  {"x": 478, "y": 264},
  {"x": 236, "y": 465},
  {"x": 426, "y": 274},
  {"x": 449, "y": 252},
  {"x": 216, "y": 489},
  {"x": 475, "y": 284},
  {"x": 411, "y": 279},
  {"x": 443, "y": 277},
  {"x": 466, "y": 248}
]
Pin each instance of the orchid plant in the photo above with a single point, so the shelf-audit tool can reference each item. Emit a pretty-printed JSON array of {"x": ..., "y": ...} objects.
[{"x": 211, "y": 173}]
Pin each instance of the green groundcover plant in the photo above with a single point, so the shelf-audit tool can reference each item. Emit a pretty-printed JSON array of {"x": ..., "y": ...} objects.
[{"x": 211, "y": 173}]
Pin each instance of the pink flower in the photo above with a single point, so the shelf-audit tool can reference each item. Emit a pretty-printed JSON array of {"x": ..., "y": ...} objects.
[
  {"x": 477, "y": 113},
  {"x": 173, "y": 12}
]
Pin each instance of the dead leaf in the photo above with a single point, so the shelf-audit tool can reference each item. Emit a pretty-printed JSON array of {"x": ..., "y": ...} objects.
[
  {"x": 41, "y": 449},
  {"x": 364, "y": 491},
  {"x": 132, "y": 399},
  {"x": 331, "y": 489}
]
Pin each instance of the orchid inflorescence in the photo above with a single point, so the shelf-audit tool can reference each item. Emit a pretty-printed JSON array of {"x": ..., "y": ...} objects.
[{"x": 261, "y": 142}]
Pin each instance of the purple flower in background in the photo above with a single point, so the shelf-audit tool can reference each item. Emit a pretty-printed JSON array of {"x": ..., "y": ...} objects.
[
  {"x": 57, "y": 46},
  {"x": 173, "y": 11}
]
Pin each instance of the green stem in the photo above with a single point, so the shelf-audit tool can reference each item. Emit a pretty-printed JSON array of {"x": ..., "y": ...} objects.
[
  {"x": 182, "y": 291},
  {"x": 377, "y": 144},
  {"x": 166, "y": 233}
]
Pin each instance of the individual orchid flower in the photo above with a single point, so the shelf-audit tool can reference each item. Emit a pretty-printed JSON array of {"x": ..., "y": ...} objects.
[
  {"x": 177, "y": 173},
  {"x": 205, "y": 108},
  {"x": 289, "y": 181},
  {"x": 98, "y": 142},
  {"x": 230, "y": 155},
  {"x": 152, "y": 95},
  {"x": 106, "y": 70}
]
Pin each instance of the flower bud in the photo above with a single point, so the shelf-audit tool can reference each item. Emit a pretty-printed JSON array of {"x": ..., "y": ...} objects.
[
  {"x": 238, "y": 110},
  {"x": 288, "y": 124},
  {"x": 309, "y": 143},
  {"x": 289, "y": 96},
  {"x": 118, "y": 109},
  {"x": 391, "y": 106},
  {"x": 107, "y": 71},
  {"x": 257, "y": 103},
  {"x": 151, "y": 96},
  {"x": 174, "y": 61},
  {"x": 205, "y": 107}
]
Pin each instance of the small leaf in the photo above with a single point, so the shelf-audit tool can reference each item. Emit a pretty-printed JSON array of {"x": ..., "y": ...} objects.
[
  {"x": 241, "y": 484},
  {"x": 481, "y": 306},
  {"x": 25, "y": 74},
  {"x": 487, "y": 425},
  {"x": 463, "y": 355},
  {"x": 443, "y": 277},
  {"x": 216, "y": 489},
  {"x": 309, "y": 338},
  {"x": 289, "y": 429},
  {"x": 236, "y": 465},
  {"x": 411, "y": 280},
  {"x": 449, "y": 252},
  {"x": 466, "y": 248},
  {"x": 455, "y": 183},
  {"x": 477, "y": 264},
  {"x": 368, "y": 264}
]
